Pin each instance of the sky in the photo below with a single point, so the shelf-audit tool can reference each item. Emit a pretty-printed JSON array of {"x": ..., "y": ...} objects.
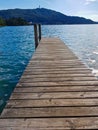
[{"x": 82, "y": 8}]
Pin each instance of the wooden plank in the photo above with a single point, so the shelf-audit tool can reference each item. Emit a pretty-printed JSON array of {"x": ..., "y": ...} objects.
[
  {"x": 47, "y": 62},
  {"x": 65, "y": 83},
  {"x": 49, "y": 124},
  {"x": 56, "y": 66},
  {"x": 57, "y": 75},
  {"x": 50, "y": 112},
  {"x": 52, "y": 103},
  {"x": 57, "y": 70},
  {"x": 51, "y": 89},
  {"x": 55, "y": 79},
  {"x": 43, "y": 95}
]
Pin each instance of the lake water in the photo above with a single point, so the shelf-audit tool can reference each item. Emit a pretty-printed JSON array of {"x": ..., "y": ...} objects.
[{"x": 17, "y": 47}]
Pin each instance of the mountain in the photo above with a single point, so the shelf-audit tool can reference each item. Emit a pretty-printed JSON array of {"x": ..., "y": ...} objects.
[{"x": 43, "y": 16}]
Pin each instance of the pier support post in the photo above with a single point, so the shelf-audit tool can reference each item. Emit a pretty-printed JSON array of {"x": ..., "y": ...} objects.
[{"x": 37, "y": 34}]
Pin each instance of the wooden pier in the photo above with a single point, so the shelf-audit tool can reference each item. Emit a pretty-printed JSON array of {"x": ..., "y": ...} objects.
[{"x": 56, "y": 92}]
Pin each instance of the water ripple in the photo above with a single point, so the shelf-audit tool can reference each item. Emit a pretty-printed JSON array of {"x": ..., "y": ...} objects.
[{"x": 16, "y": 48}]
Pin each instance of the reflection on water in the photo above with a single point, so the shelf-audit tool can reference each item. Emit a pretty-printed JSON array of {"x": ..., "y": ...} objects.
[{"x": 17, "y": 47}]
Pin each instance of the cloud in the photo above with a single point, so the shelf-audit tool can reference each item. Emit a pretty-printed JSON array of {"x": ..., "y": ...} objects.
[
  {"x": 87, "y": 2},
  {"x": 88, "y": 14}
]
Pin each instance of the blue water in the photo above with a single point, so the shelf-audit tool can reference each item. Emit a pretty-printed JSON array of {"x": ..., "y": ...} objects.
[{"x": 17, "y": 47}]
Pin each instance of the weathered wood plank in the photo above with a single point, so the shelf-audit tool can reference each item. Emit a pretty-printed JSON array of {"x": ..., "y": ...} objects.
[
  {"x": 58, "y": 72},
  {"x": 59, "y": 83},
  {"x": 57, "y": 75},
  {"x": 43, "y": 95},
  {"x": 56, "y": 67},
  {"x": 49, "y": 124},
  {"x": 52, "y": 103},
  {"x": 50, "y": 112},
  {"x": 51, "y": 89},
  {"x": 30, "y": 79}
]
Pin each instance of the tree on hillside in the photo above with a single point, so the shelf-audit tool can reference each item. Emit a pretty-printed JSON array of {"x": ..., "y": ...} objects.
[
  {"x": 16, "y": 22},
  {"x": 2, "y": 22}
]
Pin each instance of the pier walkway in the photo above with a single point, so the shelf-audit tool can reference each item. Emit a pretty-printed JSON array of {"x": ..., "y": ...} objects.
[{"x": 56, "y": 92}]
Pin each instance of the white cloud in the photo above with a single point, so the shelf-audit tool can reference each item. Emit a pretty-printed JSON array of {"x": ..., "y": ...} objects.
[
  {"x": 94, "y": 17},
  {"x": 87, "y": 2},
  {"x": 88, "y": 14}
]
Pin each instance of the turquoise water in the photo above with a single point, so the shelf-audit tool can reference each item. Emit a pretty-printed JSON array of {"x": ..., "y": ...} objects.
[{"x": 17, "y": 47}]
